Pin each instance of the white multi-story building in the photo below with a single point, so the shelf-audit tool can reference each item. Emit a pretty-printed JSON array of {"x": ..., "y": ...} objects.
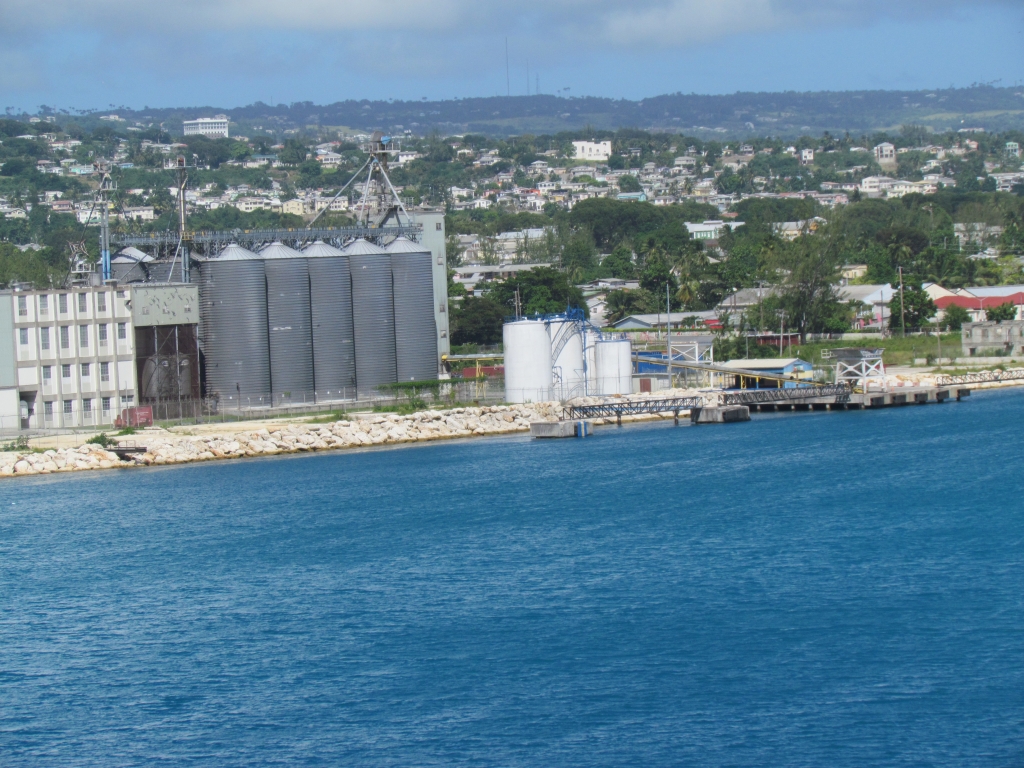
[
  {"x": 885, "y": 154},
  {"x": 593, "y": 150},
  {"x": 66, "y": 357},
  {"x": 213, "y": 127}
]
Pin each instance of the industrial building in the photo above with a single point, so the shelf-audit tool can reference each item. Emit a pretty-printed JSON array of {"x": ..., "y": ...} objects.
[{"x": 76, "y": 357}]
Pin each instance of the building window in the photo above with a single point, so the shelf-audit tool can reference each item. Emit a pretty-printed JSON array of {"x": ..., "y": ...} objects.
[
  {"x": 87, "y": 405},
  {"x": 105, "y": 404},
  {"x": 65, "y": 336},
  {"x": 22, "y": 306},
  {"x": 48, "y": 409},
  {"x": 103, "y": 335},
  {"x": 104, "y": 371},
  {"x": 62, "y": 303},
  {"x": 44, "y": 338},
  {"x": 83, "y": 336},
  {"x": 128, "y": 399},
  {"x": 65, "y": 371},
  {"x": 23, "y": 336},
  {"x": 47, "y": 373},
  {"x": 44, "y": 304},
  {"x": 122, "y": 331},
  {"x": 85, "y": 370},
  {"x": 101, "y": 302},
  {"x": 81, "y": 302},
  {"x": 67, "y": 407},
  {"x": 120, "y": 294}
]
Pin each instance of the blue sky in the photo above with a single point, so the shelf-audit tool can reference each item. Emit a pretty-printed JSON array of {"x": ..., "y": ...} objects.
[{"x": 93, "y": 53}]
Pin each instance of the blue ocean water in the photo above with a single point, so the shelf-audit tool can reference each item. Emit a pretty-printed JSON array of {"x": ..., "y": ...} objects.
[{"x": 828, "y": 589}]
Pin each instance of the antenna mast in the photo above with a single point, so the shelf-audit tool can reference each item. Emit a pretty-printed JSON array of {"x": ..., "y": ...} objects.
[{"x": 106, "y": 187}]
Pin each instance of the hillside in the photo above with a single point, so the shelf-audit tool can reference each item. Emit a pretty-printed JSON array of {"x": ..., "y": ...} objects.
[{"x": 734, "y": 115}]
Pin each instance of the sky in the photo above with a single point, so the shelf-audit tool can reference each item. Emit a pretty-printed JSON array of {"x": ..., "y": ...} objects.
[{"x": 94, "y": 54}]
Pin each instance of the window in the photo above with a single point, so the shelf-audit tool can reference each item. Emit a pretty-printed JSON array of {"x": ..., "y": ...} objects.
[
  {"x": 438, "y": 226},
  {"x": 120, "y": 294},
  {"x": 128, "y": 399},
  {"x": 105, "y": 404},
  {"x": 48, "y": 409},
  {"x": 47, "y": 373},
  {"x": 101, "y": 302},
  {"x": 83, "y": 336},
  {"x": 81, "y": 302},
  {"x": 22, "y": 306},
  {"x": 67, "y": 407},
  {"x": 85, "y": 370},
  {"x": 65, "y": 371},
  {"x": 23, "y": 336},
  {"x": 44, "y": 304},
  {"x": 65, "y": 336},
  {"x": 62, "y": 303},
  {"x": 87, "y": 405},
  {"x": 44, "y": 338},
  {"x": 102, "y": 329},
  {"x": 122, "y": 331},
  {"x": 104, "y": 371}
]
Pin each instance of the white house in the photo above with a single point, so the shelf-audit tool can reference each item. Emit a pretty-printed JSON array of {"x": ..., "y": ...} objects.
[{"x": 598, "y": 151}]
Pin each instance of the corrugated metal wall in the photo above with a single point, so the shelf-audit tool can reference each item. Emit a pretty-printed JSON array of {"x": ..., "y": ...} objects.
[
  {"x": 235, "y": 342},
  {"x": 334, "y": 354},
  {"x": 288, "y": 316},
  {"x": 373, "y": 315},
  {"x": 415, "y": 329}
]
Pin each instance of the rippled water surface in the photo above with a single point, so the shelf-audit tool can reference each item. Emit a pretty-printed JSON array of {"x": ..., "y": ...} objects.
[{"x": 809, "y": 590}]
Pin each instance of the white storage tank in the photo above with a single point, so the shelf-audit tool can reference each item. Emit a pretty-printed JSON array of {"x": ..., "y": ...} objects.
[
  {"x": 527, "y": 361},
  {"x": 614, "y": 367},
  {"x": 567, "y": 362}
]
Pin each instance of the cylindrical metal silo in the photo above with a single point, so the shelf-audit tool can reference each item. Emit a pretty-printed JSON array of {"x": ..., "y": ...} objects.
[
  {"x": 415, "y": 329},
  {"x": 291, "y": 337},
  {"x": 527, "y": 361},
  {"x": 330, "y": 295},
  {"x": 233, "y": 310},
  {"x": 614, "y": 367},
  {"x": 373, "y": 315},
  {"x": 567, "y": 362}
]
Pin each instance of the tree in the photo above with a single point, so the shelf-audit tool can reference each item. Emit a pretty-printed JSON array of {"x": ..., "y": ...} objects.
[
  {"x": 1001, "y": 314},
  {"x": 619, "y": 263},
  {"x": 809, "y": 271},
  {"x": 542, "y": 290},
  {"x": 955, "y": 316},
  {"x": 477, "y": 321},
  {"x": 630, "y": 183},
  {"x": 917, "y": 308}
]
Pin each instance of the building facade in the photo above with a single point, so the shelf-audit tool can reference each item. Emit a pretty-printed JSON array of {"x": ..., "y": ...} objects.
[
  {"x": 70, "y": 357},
  {"x": 988, "y": 339},
  {"x": 213, "y": 127}
]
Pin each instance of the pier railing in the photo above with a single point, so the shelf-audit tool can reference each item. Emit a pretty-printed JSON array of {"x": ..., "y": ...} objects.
[
  {"x": 981, "y": 377},
  {"x": 755, "y": 396},
  {"x": 618, "y": 409}
]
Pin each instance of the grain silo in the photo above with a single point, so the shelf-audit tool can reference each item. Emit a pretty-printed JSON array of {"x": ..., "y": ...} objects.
[
  {"x": 288, "y": 318},
  {"x": 415, "y": 328},
  {"x": 373, "y": 315},
  {"x": 233, "y": 328},
  {"x": 330, "y": 294}
]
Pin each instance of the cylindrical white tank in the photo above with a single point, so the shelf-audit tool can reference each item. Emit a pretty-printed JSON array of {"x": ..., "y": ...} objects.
[
  {"x": 614, "y": 367},
  {"x": 590, "y": 355},
  {"x": 567, "y": 362},
  {"x": 527, "y": 361}
]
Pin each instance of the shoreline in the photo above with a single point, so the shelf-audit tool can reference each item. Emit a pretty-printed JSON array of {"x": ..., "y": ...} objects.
[{"x": 188, "y": 445}]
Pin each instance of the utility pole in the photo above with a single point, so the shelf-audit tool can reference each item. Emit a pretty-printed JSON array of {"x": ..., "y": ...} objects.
[
  {"x": 668, "y": 330},
  {"x": 782, "y": 329},
  {"x": 903, "y": 313}
]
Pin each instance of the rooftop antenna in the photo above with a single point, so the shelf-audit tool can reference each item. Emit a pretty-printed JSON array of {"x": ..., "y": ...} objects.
[
  {"x": 180, "y": 166},
  {"x": 107, "y": 185}
]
